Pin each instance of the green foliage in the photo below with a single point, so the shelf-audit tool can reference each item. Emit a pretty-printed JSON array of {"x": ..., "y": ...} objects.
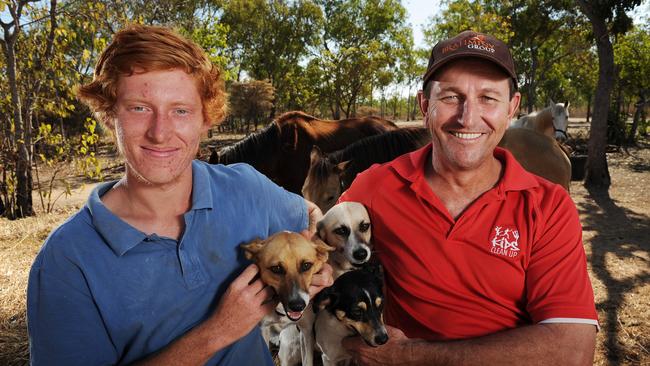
[
  {"x": 270, "y": 40},
  {"x": 57, "y": 153},
  {"x": 365, "y": 44}
]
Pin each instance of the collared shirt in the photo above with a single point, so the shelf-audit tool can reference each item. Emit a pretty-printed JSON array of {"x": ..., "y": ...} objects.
[
  {"x": 102, "y": 292},
  {"x": 513, "y": 257}
]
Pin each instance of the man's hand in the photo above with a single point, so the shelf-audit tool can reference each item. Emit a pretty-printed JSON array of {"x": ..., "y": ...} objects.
[
  {"x": 246, "y": 301},
  {"x": 394, "y": 352},
  {"x": 315, "y": 215},
  {"x": 320, "y": 280}
]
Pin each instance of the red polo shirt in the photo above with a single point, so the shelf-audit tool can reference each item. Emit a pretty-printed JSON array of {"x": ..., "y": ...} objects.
[{"x": 514, "y": 256}]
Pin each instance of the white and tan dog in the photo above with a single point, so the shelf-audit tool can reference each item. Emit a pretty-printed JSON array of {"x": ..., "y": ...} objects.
[{"x": 346, "y": 227}]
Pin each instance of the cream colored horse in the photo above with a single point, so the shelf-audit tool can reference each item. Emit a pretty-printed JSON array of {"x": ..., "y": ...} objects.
[
  {"x": 539, "y": 154},
  {"x": 552, "y": 121}
]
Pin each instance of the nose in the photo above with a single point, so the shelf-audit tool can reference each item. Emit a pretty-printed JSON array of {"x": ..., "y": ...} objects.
[
  {"x": 159, "y": 128},
  {"x": 360, "y": 254},
  {"x": 381, "y": 338},
  {"x": 470, "y": 109},
  {"x": 296, "y": 305}
]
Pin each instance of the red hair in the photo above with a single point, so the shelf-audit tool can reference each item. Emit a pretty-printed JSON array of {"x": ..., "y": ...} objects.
[{"x": 142, "y": 48}]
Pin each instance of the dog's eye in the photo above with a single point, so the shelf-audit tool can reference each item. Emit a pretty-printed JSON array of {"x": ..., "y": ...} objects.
[
  {"x": 364, "y": 226},
  {"x": 342, "y": 231},
  {"x": 277, "y": 269},
  {"x": 305, "y": 266},
  {"x": 330, "y": 198},
  {"x": 356, "y": 313}
]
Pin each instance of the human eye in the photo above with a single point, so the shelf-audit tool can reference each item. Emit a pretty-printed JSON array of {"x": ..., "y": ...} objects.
[
  {"x": 489, "y": 99},
  {"x": 450, "y": 99},
  {"x": 182, "y": 111},
  {"x": 137, "y": 108}
]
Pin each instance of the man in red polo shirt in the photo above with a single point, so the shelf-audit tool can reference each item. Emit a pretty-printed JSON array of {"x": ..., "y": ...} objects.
[{"x": 478, "y": 252}]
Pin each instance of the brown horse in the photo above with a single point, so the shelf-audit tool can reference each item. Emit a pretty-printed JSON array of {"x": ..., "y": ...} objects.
[
  {"x": 330, "y": 175},
  {"x": 552, "y": 121},
  {"x": 281, "y": 150}
]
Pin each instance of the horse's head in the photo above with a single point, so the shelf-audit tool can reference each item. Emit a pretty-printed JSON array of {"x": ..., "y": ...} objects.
[
  {"x": 560, "y": 113},
  {"x": 323, "y": 183}
]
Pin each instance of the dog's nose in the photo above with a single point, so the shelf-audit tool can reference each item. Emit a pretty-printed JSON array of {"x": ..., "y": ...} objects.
[
  {"x": 296, "y": 305},
  {"x": 381, "y": 339},
  {"x": 360, "y": 254}
]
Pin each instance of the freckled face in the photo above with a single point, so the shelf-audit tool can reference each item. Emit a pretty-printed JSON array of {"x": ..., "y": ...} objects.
[
  {"x": 158, "y": 124},
  {"x": 468, "y": 112}
]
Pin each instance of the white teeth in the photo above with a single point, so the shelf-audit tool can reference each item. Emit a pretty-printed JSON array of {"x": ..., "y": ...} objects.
[{"x": 466, "y": 136}]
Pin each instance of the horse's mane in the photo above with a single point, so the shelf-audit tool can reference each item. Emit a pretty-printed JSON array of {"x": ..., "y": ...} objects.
[
  {"x": 378, "y": 149},
  {"x": 257, "y": 146}
]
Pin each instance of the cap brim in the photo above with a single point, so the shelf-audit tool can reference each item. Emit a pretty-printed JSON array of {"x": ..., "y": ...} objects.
[{"x": 463, "y": 54}]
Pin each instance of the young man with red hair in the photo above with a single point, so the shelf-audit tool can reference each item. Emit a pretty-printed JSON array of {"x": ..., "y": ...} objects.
[{"x": 150, "y": 270}]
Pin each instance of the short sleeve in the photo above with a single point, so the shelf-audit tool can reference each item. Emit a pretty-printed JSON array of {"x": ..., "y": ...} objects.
[
  {"x": 286, "y": 210},
  {"x": 557, "y": 282},
  {"x": 64, "y": 324}
]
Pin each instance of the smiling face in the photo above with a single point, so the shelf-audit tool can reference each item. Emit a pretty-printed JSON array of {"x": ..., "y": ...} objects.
[
  {"x": 468, "y": 112},
  {"x": 158, "y": 121}
]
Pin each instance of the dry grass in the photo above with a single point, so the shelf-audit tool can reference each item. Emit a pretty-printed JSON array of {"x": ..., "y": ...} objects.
[
  {"x": 19, "y": 243},
  {"x": 616, "y": 235}
]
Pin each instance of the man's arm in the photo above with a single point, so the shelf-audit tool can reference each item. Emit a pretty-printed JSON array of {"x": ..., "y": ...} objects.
[
  {"x": 243, "y": 305},
  {"x": 541, "y": 344}
]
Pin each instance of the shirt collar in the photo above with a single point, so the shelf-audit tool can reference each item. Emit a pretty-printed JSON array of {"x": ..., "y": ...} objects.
[
  {"x": 121, "y": 236},
  {"x": 514, "y": 178},
  {"x": 201, "y": 192}
]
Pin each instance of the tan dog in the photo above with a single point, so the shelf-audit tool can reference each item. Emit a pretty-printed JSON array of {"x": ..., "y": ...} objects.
[
  {"x": 346, "y": 227},
  {"x": 287, "y": 262}
]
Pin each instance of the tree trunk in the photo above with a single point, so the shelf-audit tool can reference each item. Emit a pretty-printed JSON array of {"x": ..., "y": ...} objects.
[
  {"x": 24, "y": 206},
  {"x": 532, "y": 98},
  {"x": 588, "y": 108},
  {"x": 635, "y": 123},
  {"x": 597, "y": 172}
]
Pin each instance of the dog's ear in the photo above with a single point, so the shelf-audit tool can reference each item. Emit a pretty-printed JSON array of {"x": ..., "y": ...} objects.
[
  {"x": 374, "y": 268},
  {"x": 320, "y": 231},
  {"x": 327, "y": 297},
  {"x": 322, "y": 249},
  {"x": 251, "y": 249}
]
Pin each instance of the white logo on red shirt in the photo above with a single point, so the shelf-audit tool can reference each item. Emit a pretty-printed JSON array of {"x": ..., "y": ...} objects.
[{"x": 505, "y": 241}]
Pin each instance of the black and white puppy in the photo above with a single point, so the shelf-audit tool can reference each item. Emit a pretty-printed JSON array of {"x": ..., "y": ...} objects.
[
  {"x": 346, "y": 227},
  {"x": 353, "y": 305}
]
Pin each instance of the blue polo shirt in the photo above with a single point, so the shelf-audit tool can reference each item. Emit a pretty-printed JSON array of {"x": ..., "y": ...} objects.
[{"x": 101, "y": 292}]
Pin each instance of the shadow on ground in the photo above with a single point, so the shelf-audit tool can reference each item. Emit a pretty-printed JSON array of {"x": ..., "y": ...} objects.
[{"x": 624, "y": 234}]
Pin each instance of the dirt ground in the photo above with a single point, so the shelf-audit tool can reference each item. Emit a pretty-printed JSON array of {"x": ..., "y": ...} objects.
[{"x": 616, "y": 233}]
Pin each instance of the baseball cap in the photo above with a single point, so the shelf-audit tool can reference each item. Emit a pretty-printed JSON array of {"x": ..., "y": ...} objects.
[{"x": 471, "y": 44}]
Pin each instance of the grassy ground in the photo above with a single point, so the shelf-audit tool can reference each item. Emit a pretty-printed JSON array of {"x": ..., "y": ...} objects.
[{"x": 616, "y": 236}]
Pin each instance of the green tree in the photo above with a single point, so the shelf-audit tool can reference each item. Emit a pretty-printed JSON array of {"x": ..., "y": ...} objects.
[
  {"x": 270, "y": 39},
  {"x": 607, "y": 17},
  {"x": 363, "y": 42},
  {"x": 632, "y": 56},
  {"x": 18, "y": 185},
  {"x": 544, "y": 36}
]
